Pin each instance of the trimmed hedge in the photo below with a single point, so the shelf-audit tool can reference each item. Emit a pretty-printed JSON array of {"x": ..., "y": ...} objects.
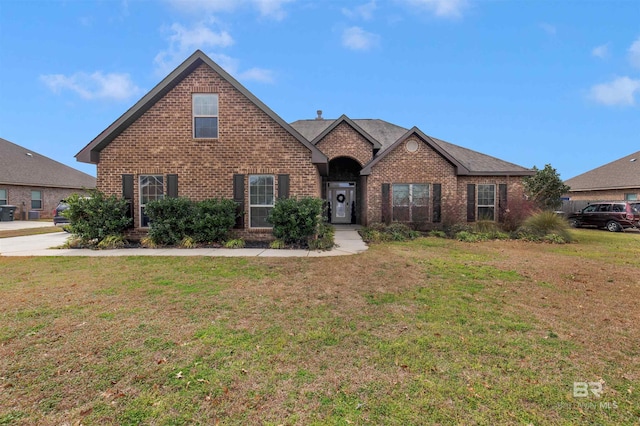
[
  {"x": 174, "y": 220},
  {"x": 296, "y": 220},
  {"x": 96, "y": 217}
]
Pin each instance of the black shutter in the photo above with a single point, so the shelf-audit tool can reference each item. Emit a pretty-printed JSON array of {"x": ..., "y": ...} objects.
[
  {"x": 127, "y": 194},
  {"x": 386, "y": 206},
  {"x": 437, "y": 202},
  {"x": 172, "y": 186},
  {"x": 238, "y": 197},
  {"x": 283, "y": 186},
  {"x": 471, "y": 202},
  {"x": 502, "y": 201}
]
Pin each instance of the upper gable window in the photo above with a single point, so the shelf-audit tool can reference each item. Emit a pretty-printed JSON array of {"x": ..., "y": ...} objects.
[{"x": 205, "y": 115}]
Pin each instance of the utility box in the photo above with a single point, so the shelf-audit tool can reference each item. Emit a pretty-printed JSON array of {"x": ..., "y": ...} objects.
[{"x": 6, "y": 213}]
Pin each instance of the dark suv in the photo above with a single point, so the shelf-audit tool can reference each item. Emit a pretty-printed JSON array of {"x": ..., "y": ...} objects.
[
  {"x": 58, "y": 219},
  {"x": 613, "y": 216}
]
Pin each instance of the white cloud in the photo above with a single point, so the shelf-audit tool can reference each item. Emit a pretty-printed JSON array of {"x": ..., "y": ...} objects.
[
  {"x": 364, "y": 11},
  {"x": 257, "y": 74},
  {"x": 355, "y": 38},
  {"x": 266, "y": 8},
  {"x": 548, "y": 28},
  {"x": 441, "y": 8},
  {"x": 634, "y": 53},
  {"x": 601, "y": 51},
  {"x": 620, "y": 91},
  {"x": 97, "y": 85},
  {"x": 271, "y": 8},
  {"x": 184, "y": 41}
]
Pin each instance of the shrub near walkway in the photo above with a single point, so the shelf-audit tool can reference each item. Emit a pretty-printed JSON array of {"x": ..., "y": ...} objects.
[{"x": 431, "y": 331}]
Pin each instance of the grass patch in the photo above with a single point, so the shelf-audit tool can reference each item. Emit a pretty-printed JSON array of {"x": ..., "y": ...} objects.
[
  {"x": 430, "y": 330},
  {"x": 29, "y": 231}
]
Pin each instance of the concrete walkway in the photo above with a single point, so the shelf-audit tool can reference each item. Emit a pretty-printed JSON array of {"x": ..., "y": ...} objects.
[{"x": 347, "y": 240}]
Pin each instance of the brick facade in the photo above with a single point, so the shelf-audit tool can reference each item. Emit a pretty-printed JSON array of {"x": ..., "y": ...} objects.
[
  {"x": 604, "y": 195},
  {"x": 249, "y": 142},
  {"x": 20, "y": 196},
  {"x": 345, "y": 141},
  {"x": 401, "y": 166}
]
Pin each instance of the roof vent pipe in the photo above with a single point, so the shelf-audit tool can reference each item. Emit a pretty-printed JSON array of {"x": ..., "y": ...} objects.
[{"x": 319, "y": 117}]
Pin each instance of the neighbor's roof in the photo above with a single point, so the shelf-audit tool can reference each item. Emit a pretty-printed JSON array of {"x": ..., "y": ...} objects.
[
  {"x": 91, "y": 152},
  {"x": 22, "y": 166},
  {"x": 467, "y": 161},
  {"x": 619, "y": 174}
]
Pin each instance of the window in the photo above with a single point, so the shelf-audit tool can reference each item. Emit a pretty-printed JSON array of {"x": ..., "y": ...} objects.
[
  {"x": 151, "y": 189},
  {"x": 205, "y": 115},
  {"x": 627, "y": 197},
  {"x": 3, "y": 197},
  {"x": 36, "y": 200},
  {"x": 410, "y": 202},
  {"x": 261, "y": 200},
  {"x": 486, "y": 202}
]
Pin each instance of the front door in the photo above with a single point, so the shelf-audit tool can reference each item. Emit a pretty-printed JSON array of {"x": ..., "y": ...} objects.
[{"x": 341, "y": 196}]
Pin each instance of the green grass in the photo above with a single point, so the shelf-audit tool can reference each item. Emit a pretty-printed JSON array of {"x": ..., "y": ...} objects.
[
  {"x": 29, "y": 231},
  {"x": 430, "y": 331}
]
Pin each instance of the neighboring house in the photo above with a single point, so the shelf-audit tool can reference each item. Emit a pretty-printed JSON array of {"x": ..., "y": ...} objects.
[
  {"x": 200, "y": 134},
  {"x": 615, "y": 181},
  {"x": 35, "y": 183}
]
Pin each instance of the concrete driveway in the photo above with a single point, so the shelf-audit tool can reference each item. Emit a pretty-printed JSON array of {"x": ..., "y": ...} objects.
[{"x": 347, "y": 240}]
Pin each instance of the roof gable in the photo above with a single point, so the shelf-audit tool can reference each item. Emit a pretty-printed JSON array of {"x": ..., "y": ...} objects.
[
  {"x": 91, "y": 152},
  {"x": 21, "y": 166},
  {"x": 460, "y": 169},
  {"x": 618, "y": 174},
  {"x": 344, "y": 119}
]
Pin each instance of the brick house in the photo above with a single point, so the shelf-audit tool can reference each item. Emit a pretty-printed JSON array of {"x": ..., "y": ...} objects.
[
  {"x": 614, "y": 181},
  {"x": 200, "y": 134},
  {"x": 35, "y": 183}
]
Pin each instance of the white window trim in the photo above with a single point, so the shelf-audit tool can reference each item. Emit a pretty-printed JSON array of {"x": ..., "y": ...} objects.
[
  {"x": 273, "y": 178},
  {"x": 478, "y": 206},
  {"x": 194, "y": 115},
  {"x": 5, "y": 198},
  {"x": 411, "y": 204},
  {"x": 141, "y": 204},
  {"x": 37, "y": 199}
]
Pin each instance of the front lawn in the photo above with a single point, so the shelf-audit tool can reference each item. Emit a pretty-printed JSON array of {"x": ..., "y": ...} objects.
[{"x": 431, "y": 331}]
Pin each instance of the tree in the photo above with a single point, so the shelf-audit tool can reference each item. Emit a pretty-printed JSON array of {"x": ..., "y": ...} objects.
[{"x": 545, "y": 188}]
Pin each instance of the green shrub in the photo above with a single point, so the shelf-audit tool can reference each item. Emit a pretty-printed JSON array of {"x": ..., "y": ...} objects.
[
  {"x": 213, "y": 220},
  {"x": 112, "y": 242},
  {"x": 96, "y": 217},
  {"x": 543, "y": 224},
  {"x": 295, "y": 220},
  {"x": 401, "y": 232},
  {"x": 277, "y": 245},
  {"x": 235, "y": 243},
  {"x": 188, "y": 242},
  {"x": 470, "y": 237},
  {"x": 453, "y": 229},
  {"x": 170, "y": 220},
  {"x": 324, "y": 237},
  {"x": 379, "y": 232},
  {"x": 437, "y": 233}
]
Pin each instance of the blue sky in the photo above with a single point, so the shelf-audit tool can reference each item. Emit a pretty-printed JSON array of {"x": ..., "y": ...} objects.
[{"x": 531, "y": 82}]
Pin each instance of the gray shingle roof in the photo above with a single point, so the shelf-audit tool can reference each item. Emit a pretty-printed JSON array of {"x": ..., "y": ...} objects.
[
  {"x": 22, "y": 166},
  {"x": 387, "y": 134},
  {"x": 619, "y": 174}
]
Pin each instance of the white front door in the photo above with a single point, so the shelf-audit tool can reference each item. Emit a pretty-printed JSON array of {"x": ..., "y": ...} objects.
[{"x": 341, "y": 196}]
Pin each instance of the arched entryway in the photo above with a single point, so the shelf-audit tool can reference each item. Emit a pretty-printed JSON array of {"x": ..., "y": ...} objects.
[{"x": 343, "y": 191}]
